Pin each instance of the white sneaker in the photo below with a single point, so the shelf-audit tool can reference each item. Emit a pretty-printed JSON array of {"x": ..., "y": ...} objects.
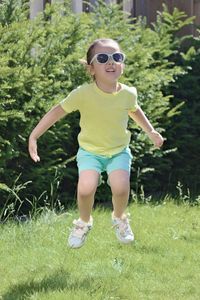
[
  {"x": 122, "y": 229},
  {"x": 79, "y": 232}
]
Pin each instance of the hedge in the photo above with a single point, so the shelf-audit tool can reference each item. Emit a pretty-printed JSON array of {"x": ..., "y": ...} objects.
[{"x": 39, "y": 66}]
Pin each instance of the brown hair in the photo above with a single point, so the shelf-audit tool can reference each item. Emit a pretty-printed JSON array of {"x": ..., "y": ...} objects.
[{"x": 90, "y": 52}]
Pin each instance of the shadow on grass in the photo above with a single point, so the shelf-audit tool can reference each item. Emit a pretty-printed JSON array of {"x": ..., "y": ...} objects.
[{"x": 58, "y": 281}]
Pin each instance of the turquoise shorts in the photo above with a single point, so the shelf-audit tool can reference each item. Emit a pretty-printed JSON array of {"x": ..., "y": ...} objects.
[{"x": 100, "y": 163}]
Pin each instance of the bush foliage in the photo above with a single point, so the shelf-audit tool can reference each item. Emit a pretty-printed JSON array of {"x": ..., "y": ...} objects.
[
  {"x": 39, "y": 66},
  {"x": 183, "y": 132}
]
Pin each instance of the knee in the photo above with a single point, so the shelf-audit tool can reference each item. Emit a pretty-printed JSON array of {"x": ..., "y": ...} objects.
[
  {"x": 120, "y": 188},
  {"x": 119, "y": 183},
  {"x": 120, "y": 191},
  {"x": 86, "y": 189}
]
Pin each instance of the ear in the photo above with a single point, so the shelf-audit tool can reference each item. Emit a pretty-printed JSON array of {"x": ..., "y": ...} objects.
[{"x": 90, "y": 69}]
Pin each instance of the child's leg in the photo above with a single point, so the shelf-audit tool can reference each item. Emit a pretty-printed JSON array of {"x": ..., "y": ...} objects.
[
  {"x": 87, "y": 185},
  {"x": 120, "y": 186},
  {"x": 119, "y": 181}
]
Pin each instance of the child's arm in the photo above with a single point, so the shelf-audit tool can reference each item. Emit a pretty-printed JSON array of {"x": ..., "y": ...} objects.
[
  {"x": 45, "y": 123},
  {"x": 139, "y": 117}
]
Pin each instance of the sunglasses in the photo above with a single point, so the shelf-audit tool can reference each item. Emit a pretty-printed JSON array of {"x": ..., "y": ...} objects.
[{"x": 102, "y": 58}]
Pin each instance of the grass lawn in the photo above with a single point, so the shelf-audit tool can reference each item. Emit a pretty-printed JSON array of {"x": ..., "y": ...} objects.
[{"x": 162, "y": 263}]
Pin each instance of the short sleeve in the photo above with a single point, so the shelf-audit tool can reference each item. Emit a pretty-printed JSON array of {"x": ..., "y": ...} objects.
[
  {"x": 72, "y": 101},
  {"x": 133, "y": 99}
]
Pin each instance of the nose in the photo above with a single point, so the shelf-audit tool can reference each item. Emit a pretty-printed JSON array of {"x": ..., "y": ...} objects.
[{"x": 110, "y": 61}]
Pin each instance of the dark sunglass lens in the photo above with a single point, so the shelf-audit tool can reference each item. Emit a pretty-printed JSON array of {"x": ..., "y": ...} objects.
[
  {"x": 118, "y": 57},
  {"x": 102, "y": 58}
]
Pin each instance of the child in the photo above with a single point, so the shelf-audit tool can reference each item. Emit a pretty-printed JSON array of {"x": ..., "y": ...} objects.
[{"x": 104, "y": 107}]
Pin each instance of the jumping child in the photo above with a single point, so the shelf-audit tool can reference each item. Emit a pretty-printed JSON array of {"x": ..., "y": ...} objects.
[{"x": 105, "y": 106}]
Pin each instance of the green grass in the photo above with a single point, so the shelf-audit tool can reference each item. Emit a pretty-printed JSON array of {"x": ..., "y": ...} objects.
[{"x": 163, "y": 263}]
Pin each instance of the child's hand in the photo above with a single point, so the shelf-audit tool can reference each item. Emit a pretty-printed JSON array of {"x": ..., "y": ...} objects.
[
  {"x": 32, "y": 148},
  {"x": 156, "y": 138}
]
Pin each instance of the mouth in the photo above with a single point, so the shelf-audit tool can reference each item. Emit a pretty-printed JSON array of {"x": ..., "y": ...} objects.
[{"x": 110, "y": 70}]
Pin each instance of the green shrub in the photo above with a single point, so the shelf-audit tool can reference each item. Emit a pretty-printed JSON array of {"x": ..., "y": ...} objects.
[
  {"x": 183, "y": 132},
  {"x": 40, "y": 66}
]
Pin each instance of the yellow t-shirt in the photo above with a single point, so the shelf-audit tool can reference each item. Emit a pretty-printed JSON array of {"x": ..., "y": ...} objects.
[{"x": 103, "y": 117}]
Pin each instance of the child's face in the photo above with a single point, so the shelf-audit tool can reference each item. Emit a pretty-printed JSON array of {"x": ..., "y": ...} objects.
[{"x": 110, "y": 71}]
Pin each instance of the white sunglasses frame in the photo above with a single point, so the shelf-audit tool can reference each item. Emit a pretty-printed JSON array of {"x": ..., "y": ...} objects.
[{"x": 110, "y": 56}]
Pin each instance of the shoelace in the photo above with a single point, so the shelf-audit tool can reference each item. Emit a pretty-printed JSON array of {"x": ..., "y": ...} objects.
[
  {"x": 123, "y": 226},
  {"x": 79, "y": 229}
]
